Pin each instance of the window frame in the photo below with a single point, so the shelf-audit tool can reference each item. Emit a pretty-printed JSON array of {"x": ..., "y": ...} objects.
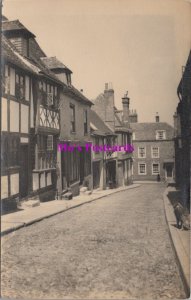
[
  {"x": 156, "y": 163},
  {"x": 152, "y": 153},
  {"x": 142, "y": 163},
  {"x": 72, "y": 118},
  {"x": 157, "y": 135},
  {"x": 85, "y": 118},
  {"x": 139, "y": 156}
]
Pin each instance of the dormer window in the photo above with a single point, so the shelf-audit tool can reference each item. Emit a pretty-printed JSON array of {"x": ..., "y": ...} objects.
[{"x": 160, "y": 135}]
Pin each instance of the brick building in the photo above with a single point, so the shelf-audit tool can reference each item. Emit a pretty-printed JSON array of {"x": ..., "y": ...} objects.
[
  {"x": 118, "y": 122},
  {"x": 182, "y": 120},
  {"x": 153, "y": 151}
]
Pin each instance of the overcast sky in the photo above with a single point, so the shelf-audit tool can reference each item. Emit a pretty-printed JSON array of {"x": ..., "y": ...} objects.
[{"x": 138, "y": 45}]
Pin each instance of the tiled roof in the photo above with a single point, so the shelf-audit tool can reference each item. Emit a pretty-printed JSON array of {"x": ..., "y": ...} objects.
[
  {"x": 54, "y": 63},
  {"x": 102, "y": 128},
  {"x": 147, "y": 131},
  {"x": 10, "y": 54},
  {"x": 15, "y": 25}
]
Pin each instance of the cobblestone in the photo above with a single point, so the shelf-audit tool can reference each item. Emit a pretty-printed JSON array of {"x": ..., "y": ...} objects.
[{"x": 117, "y": 247}]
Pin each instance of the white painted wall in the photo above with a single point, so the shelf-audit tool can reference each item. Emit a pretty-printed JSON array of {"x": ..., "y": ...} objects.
[
  {"x": 24, "y": 118},
  {"x": 14, "y": 116},
  {"x": 4, "y": 187},
  {"x": 4, "y": 115},
  {"x": 12, "y": 81},
  {"x": 14, "y": 180}
]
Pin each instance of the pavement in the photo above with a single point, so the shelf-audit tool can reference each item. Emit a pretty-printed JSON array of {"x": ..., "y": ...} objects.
[{"x": 180, "y": 240}]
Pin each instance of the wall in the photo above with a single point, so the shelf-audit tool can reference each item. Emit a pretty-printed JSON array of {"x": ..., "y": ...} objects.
[
  {"x": 166, "y": 151},
  {"x": 65, "y": 133}
]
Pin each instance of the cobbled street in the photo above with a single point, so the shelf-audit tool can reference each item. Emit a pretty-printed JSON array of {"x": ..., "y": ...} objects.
[{"x": 116, "y": 247}]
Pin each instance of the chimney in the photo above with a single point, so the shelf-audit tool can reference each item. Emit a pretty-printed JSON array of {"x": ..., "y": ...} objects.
[
  {"x": 108, "y": 105},
  {"x": 157, "y": 118},
  {"x": 133, "y": 117},
  {"x": 125, "y": 102}
]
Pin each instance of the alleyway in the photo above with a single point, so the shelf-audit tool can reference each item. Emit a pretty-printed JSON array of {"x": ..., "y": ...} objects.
[{"x": 117, "y": 247}]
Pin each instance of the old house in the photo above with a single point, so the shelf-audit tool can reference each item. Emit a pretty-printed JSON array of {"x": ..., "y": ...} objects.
[
  {"x": 74, "y": 159},
  {"x": 153, "y": 151},
  {"x": 32, "y": 115},
  {"x": 120, "y": 171},
  {"x": 102, "y": 135},
  {"x": 182, "y": 120}
]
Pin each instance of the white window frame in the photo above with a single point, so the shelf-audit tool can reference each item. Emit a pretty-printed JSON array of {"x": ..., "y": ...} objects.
[
  {"x": 139, "y": 156},
  {"x": 157, "y": 135},
  {"x": 50, "y": 136},
  {"x": 152, "y": 153},
  {"x": 139, "y": 169},
  {"x": 156, "y": 163}
]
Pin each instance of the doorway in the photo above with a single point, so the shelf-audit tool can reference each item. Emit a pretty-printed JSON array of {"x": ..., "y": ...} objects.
[{"x": 23, "y": 181}]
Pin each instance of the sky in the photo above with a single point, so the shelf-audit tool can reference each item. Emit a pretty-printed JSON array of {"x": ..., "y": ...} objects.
[{"x": 137, "y": 45}]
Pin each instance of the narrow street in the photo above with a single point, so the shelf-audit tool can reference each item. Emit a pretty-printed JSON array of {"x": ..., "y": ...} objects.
[{"x": 116, "y": 247}]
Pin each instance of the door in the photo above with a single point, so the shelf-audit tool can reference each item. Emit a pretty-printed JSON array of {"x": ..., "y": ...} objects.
[
  {"x": 82, "y": 163},
  {"x": 96, "y": 174},
  {"x": 169, "y": 169},
  {"x": 23, "y": 183}
]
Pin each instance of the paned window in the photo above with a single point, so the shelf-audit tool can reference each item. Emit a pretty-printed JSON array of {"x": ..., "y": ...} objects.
[
  {"x": 141, "y": 152},
  {"x": 142, "y": 169},
  {"x": 155, "y": 168},
  {"x": 160, "y": 134},
  {"x": 155, "y": 152},
  {"x": 19, "y": 86}
]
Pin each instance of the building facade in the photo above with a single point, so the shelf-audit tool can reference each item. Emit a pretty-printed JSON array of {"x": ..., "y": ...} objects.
[
  {"x": 182, "y": 123},
  {"x": 104, "y": 176},
  {"x": 32, "y": 94},
  {"x": 74, "y": 165},
  {"x": 119, "y": 167},
  {"x": 153, "y": 154}
]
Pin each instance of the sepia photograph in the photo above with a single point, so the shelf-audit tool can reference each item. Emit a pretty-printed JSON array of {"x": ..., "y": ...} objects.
[{"x": 95, "y": 149}]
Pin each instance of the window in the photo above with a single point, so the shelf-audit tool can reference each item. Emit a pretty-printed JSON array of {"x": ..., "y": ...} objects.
[
  {"x": 141, "y": 152},
  {"x": 155, "y": 168},
  {"x": 155, "y": 152},
  {"x": 50, "y": 142},
  {"x": 50, "y": 100},
  {"x": 72, "y": 118},
  {"x": 14, "y": 142},
  {"x": 160, "y": 134},
  {"x": 6, "y": 80},
  {"x": 85, "y": 122},
  {"x": 19, "y": 86},
  {"x": 46, "y": 154},
  {"x": 142, "y": 169}
]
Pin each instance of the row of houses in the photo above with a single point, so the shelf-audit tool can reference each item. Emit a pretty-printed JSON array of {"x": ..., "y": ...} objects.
[
  {"x": 42, "y": 112},
  {"x": 41, "y": 109}
]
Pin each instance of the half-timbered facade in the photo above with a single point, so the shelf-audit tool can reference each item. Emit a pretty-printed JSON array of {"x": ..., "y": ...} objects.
[
  {"x": 31, "y": 127},
  {"x": 17, "y": 95}
]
